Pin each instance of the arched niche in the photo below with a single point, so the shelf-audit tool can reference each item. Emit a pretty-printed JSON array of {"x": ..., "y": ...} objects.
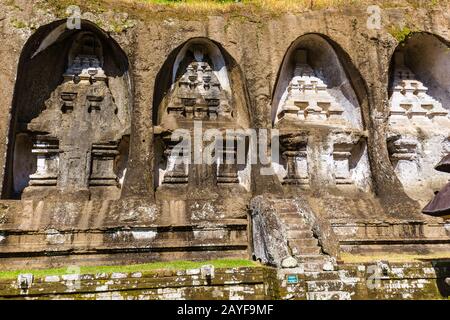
[
  {"x": 419, "y": 102},
  {"x": 317, "y": 107},
  {"x": 70, "y": 120},
  {"x": 200, "y": 83}
]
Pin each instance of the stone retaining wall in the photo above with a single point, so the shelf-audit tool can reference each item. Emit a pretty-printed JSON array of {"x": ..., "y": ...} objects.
[{"x": 382, "y": 280}]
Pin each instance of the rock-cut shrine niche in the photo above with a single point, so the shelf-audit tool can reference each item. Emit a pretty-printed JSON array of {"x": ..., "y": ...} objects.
[
  {"x": 317, "y": 112},
  {"x": 75, "y": 142},
  {"x": 419, "y": 125},
  {"x": 201, "y": 101}
]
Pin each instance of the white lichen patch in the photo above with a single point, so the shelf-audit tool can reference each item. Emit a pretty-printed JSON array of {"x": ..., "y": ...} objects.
[
  {"x": 118, "y": 275},
  {"x": 217, "y": 293},
  {"x": 210, "y": 234},
  {"x": 144, "y": 235},
  {"x": 204, "y": 211},
  {"x": 236, "y": 293},
  {"x": 398, "y": 272},
  {"x": 407, "y": 296},
  {"x": 54, "y": 237},
  {"x": 136, "y": 275},
  {"x": 192, "y": 271},
  {"x": 132, "y": 212},
  {"x": 71, "y": 277},
  {"x": 346, "y": 231},
  {"x": 52, "y": 279},
  {"x": 102, "y": 288}
]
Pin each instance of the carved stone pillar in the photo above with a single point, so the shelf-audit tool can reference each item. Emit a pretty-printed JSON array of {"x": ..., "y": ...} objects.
[
  {"x": 177, "y": 164},
  {"x": 296, "y": 167},
  {"x": 102, "y": 170},
  {"x": 227, "y": 168},
  {"x": 47, "y": 151},
  {"x": 293, "y": 147},
  {"x": 68, "y": 99},
  {"x": 403, "y": 155},
  {"x": 341, "y": 158}
]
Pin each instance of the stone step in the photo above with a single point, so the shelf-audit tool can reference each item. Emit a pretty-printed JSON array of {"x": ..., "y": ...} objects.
[
  {"x": 291, "y": 220},
  {"x": 325, "y": 285},
  {"x": 301, "y": 243},
  {"x": 286, "y": 209},
  {"x": 289, "y": 214},
  {"x": 297, "y": 226},
  {"x": 311, "y": 258},
  {"x": 312, "y": 266},
  {"x": 305, "y": 250},
  {"x": 328, "y": 295},
  {"x": 300, "y": 234}
]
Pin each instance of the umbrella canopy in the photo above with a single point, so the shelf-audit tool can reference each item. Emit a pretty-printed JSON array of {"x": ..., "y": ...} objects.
[
  {"x": 440, "y": 205},
  {"x": 444, "y": 165}
]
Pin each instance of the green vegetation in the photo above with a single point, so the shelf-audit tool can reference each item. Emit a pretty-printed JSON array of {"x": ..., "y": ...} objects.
[
  {"x": 401, "y": 34},
  {"x": 191, "y": 8},
  {"x": 18, "y": 24},
  {"x": 394, "y": 257},
  {"x": 147, "y": 267},
  {"x": 288, "y": 5}
]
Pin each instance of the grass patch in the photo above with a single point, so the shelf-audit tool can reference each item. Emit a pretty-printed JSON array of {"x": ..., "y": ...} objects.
[
  {"x": 394, "y": 257},
  {"x": 287, "y": 5},
  {"x": 147, "y": 267},
  {"x": 189, "y": 8}
]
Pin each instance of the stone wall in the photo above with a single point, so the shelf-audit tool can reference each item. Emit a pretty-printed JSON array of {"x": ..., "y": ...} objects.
[
  {"x": 234, "y": 284},
  {"x": 258, "y": 45},
  {"x": 378, "y": 280},
  {"x": 142, "y": 222}
]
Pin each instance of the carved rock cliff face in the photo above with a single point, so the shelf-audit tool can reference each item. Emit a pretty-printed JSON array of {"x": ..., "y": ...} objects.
[
  {"x": 90, "y": 115},
  {"x": 419, "y": 123},
  {"x": 76, "y": 145},
  {"x": 258, "y": 46}
]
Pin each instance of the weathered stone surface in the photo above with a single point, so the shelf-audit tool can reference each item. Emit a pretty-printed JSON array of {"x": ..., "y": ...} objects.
[
  {"x": 354, "y": 281},
  {"x": 289, "y": 262},
  {"x": 337, "y": 185}
]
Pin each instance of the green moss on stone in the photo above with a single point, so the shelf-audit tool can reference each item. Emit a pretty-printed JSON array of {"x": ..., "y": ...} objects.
[
  {"x": 400, "y": 34},
  {"x": 148, "y": 267}
]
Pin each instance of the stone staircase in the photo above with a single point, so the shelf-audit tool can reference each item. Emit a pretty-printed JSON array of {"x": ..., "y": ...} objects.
[
  {"x": 322, "y": 280},
  {"x": 301, "y": 241}
]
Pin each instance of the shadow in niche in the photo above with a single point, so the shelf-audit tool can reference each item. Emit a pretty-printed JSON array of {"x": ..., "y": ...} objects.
[
  {"x": 164, "y": 81},
  {"x": 426, "y": 54},
  {"x": 419, "y": 105},
  {"x": 357, "y": 154},
  {"x": 43, "y": 61},
  {"x": 350, "y": 82}
]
